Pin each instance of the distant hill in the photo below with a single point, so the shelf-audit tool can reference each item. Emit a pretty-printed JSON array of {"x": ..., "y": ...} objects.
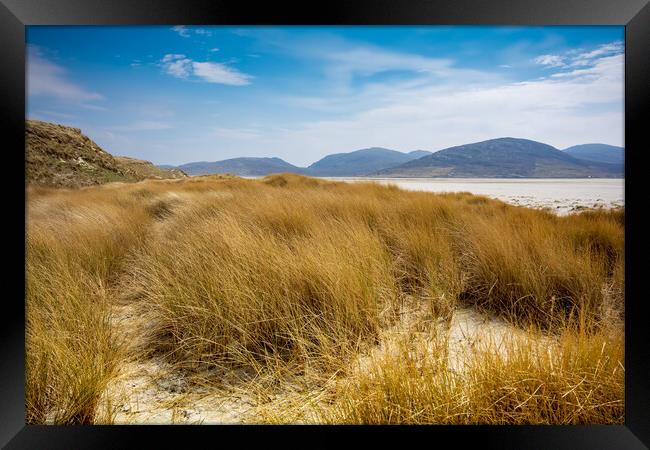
[
  {"x": 241, "y": 166},
  {"x": 598, "y": 152},
  {"x": 57, "y": 155},
  {"x": 360, "y": 162},
  {"x": 502, "y": 158},
  {"x": 419, "y": 153},
  {"x": 356, "y": 163}
]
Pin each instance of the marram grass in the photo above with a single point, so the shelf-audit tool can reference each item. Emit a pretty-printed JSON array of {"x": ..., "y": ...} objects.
[{"x": 289, "y": 277}]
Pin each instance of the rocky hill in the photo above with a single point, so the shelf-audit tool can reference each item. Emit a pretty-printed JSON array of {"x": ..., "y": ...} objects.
[{"x": 62, "y": 156}]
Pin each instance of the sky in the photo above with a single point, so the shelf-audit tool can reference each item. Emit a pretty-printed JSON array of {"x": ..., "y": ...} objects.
[{"x": 177, "y": 94}]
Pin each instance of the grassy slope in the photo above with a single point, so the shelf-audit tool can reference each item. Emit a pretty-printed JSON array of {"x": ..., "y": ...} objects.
[
  {"x": 145, "y": 169},
  {"x": 290, "y": 276},
  {"x": 62, "y": 156}
]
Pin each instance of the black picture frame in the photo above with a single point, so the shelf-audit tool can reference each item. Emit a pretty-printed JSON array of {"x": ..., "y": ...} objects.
[{"x": 633, "y": 14}]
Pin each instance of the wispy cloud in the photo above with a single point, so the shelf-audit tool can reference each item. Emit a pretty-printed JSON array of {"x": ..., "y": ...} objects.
[
  {"x": 186, "y": 32},
  {"x": 550, "y": 60},
  {"x": 203, "y": 32},
  {"x": 578, "y": 57},
  {"x": 344, "y": 61},
  {"x": 46, "y": 78},
  {"x": 180, "y": 66},
  {"x": 219, "y": 73},
  {"x": 367, "y": 60},
  {"x": 587, "y": 58},
  {"x": 145, "y": 125},
  {"x": 560, "y": 109},
  {"x": 182, "y": 31}
]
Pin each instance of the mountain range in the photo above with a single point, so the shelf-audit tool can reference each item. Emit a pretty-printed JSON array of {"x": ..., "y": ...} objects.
[
  {"x": 57, "y": 155},
  {"x": 495, "y": 158},
  {"x": 503, "y": 158}
]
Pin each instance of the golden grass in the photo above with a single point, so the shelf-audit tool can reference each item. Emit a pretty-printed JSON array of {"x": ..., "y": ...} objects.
[
  {"x": 289, "y": 276},
  {"x": 75, "y": 245},
  {"x": 577, "y": 380}
]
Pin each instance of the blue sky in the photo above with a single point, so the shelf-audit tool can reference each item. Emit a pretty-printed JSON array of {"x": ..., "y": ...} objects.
[{"x": 178, "y": 94}]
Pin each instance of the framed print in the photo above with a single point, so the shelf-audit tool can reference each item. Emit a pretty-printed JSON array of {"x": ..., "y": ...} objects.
[{"x": 364, "y": 220}]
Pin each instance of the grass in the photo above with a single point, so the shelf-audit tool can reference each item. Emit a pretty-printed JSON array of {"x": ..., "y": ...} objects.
[
  {"x": 294, "y": 278},
  {"x": 578, "y": 380},
  {"x": 76, "y": 243}
]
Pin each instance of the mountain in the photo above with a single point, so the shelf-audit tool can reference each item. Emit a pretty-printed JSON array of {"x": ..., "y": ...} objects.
[
  {"x": 360, "y": 162},
  {"x": 357, "y": 163},
  {"x": 241, "y": 166},
  {"x": 56, "y": 155},
  {"x": 502, "y": 158},
  {"x": 598, "y": 152},
  {"x": 419, "y": 153}
]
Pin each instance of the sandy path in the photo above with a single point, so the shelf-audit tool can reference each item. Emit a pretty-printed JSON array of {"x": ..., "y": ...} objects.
[
  {"x": 467, "y": 332},
  {"x": 148, "y": 390}
]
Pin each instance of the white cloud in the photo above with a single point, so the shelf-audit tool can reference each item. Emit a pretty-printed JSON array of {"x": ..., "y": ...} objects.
[
  {"x": 437, "y": 105},
  {"x": 182, "y": 30},
  {"x": 182, "y": 67},
  {"x": 578, "y": 57},
  {"x": 185, "y": 32},
  {"x": 586, "y": 105},
  {"x": 587, "y": 58},
  {"x": 45, "y": 78},
  {"x": 369, "y": 60},
  {"x": 203, "y": 32},
  {"x": 177, "y": 65},
  {"x": 550, "y": 60},
  {"x": 600, "y": 68},
  {"x": 342, "y": 59},
  {"x": 171, "y": 57},
  {"x": 215, "y": 49},
  {"x": 219, "y": 73}
]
